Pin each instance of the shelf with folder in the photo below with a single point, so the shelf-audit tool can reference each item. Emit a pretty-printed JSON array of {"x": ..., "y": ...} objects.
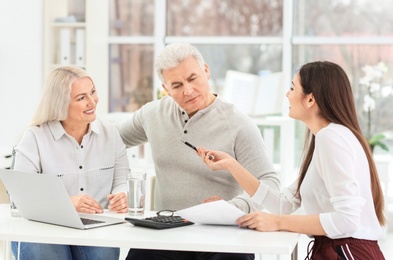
[
  {"x": 64, "y": 34},
  {"x": 68, "y": 44},
  {"x": 86, "y": 23}
]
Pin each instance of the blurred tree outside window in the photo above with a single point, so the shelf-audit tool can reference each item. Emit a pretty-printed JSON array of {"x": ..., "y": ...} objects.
[
  {"x": 338, "y": 18},
  {"x": 130, "y": 77},
  {"x": 131, "y": 17},
  {"x": 224, "y": 17}
]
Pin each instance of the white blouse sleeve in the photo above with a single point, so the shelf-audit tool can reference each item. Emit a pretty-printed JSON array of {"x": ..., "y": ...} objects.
[
  {"x": 285, "y": 202},
  {"x": 27, "y": 154}
]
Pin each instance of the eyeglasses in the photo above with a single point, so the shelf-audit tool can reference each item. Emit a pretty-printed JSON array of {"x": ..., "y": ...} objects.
[{"x": 166, "y": 213}]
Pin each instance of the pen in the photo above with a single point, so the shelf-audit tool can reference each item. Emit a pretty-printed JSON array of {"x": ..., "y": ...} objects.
[{"x": 211, "y": 157}]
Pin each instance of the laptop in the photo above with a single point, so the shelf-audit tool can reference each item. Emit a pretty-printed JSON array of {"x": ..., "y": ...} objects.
[{"x": 43, "y": 198}]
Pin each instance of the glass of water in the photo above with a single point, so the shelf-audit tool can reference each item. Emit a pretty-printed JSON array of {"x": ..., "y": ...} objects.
[
  {"x": 136, "y": 192},
  {"x": 13, "y": 208}
]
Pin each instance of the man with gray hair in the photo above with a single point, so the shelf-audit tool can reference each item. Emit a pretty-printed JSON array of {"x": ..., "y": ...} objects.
[{"x": 191, "y": 112}]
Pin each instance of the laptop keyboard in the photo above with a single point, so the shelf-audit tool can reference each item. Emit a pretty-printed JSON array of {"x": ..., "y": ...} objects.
[
  {"x": 160, "y": 222},
  {"x": 87, "y": 221}
]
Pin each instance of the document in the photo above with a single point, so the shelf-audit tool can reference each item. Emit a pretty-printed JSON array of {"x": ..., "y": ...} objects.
[
  {"x": 253, "y": 94},
  {"x": 218, "y": 212}
]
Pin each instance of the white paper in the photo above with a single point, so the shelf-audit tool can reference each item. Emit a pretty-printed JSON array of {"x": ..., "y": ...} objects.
[
  {"x": 218, "y": 212},
  {"x": 255, "y": 95},
  {"x": 240, "y": 90},
  {"x": 270, "y": 94}
]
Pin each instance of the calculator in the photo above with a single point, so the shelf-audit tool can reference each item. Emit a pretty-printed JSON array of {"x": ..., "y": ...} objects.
[{"x": 160, "y": 222}]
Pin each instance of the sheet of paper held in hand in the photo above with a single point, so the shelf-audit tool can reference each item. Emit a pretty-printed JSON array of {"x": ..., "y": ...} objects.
[{"x": 218, "y": 212}]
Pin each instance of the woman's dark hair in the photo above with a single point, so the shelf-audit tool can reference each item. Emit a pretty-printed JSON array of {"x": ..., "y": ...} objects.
[{"x": 333, "y": 93}]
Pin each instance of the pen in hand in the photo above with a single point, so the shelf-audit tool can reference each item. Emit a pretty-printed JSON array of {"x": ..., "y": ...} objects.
[{"x": 211, "y": 157}]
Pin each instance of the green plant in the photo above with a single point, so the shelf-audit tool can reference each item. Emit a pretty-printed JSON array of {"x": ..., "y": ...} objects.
[{"x": 376, "y": 141}]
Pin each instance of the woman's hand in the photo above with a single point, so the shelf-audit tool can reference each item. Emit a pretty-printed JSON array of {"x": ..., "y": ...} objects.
[
  {"x": 118, "y": 202},
  {"x": 260, "y": 221},
  {"x": 86, "y": 204},
  {"x": 216, "y": 160}
]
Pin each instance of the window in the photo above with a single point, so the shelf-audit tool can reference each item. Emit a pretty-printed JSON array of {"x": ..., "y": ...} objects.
[
  {"x": 131, "y": 76},
  {"x": 131, "y": 17},
  {"x": 343, "y": 18},
  {"x": 224, "y": 18},
  {"x": 250, "y": 36},
  {"x": 237, "y": 35},
  {"x": 353, "y": 34}
]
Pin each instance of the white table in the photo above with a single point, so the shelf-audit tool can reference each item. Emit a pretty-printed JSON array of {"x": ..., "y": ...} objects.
[{"x": 188, "y": 238}]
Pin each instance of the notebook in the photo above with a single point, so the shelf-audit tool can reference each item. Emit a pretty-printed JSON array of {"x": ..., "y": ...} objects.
[{"x": 43, "y": 198}]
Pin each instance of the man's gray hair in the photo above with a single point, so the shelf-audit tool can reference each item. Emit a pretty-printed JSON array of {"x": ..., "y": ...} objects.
[{"x": 173, "y": 54}]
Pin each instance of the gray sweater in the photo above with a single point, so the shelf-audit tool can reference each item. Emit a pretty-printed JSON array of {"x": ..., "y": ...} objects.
[{"x": 182, "y": 178}]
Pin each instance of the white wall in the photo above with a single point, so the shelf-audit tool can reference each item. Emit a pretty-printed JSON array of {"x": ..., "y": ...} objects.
[{"x": 21, "y": 66}]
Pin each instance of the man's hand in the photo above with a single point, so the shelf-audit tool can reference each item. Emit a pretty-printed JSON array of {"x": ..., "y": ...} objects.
[{"x": 212, "y": 198}]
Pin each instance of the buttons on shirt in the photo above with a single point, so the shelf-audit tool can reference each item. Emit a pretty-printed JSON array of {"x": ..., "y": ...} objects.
[
  {"x": 80, "y": 167},
  {"x": 185, "y": 120},
  {"x": 81, "y": 189},
  {"x": 82, "y": 146}
]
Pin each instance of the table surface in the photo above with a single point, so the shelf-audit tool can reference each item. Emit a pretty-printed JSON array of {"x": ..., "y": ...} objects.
[{"x": 196, "y": 237}]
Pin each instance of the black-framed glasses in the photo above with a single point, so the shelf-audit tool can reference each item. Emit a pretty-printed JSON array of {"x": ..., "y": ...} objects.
[{"x": 165, "y": 213}]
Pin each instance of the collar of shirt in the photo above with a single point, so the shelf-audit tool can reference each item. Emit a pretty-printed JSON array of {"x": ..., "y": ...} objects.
[
  {"x": 202, "y": 111},
  {"x": 58, "y": 131}
]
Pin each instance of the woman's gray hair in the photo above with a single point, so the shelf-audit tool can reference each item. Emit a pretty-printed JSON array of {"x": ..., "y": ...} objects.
[
  {"x": 173, "y": 54},
  {"x": 56, "y": 95}
]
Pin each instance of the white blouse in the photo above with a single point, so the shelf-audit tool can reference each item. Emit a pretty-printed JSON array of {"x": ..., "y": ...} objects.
[{"x": 336, "y": 186}]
